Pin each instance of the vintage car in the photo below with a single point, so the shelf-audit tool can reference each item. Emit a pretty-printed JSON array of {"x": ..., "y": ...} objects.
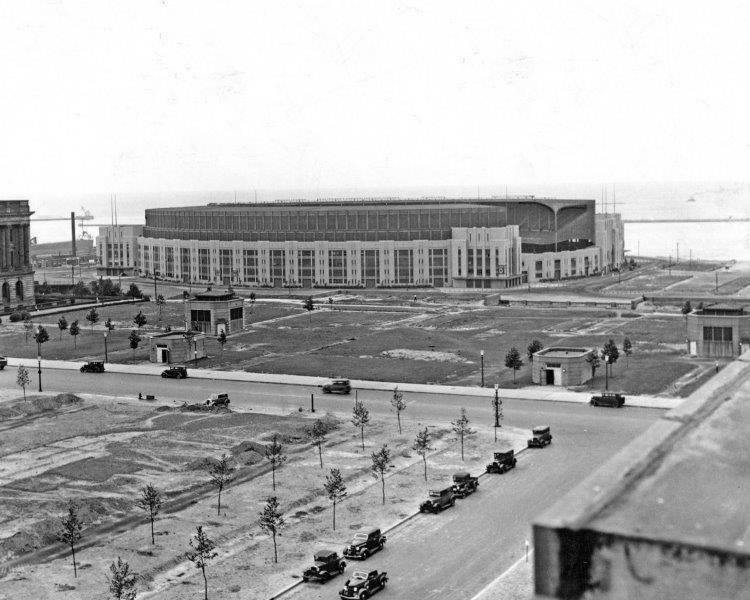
[
  {"x": 613, "y": 399},
  {"x": 540, "y": 437},
  {"x": 326, "y": 564},
  {"x": 218, "y": 400},
  {"x": 175, "y": 372},
  {"x": 93, "y": 367},
  {"x": 438, "y": 500},
  {"x": 337, "y": 386},
  {"x": 365, "y": 543},
  {"x": 464, "y": 484},
  {"x": 504, "y": 461},
  {"x": 363, "y": 585},
  {"x": 3, "y": 362}
]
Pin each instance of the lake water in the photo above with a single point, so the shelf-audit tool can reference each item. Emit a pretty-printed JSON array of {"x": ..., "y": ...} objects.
[{"x": 710, "y": 241}]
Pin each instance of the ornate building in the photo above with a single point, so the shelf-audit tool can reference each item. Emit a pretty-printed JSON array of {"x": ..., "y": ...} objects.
[{"x": 16, "y": 274}]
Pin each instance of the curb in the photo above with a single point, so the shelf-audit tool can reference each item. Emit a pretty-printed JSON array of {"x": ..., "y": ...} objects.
[
  {"x": 303, "y": 380},
  {"x": 399, "y": 523}
]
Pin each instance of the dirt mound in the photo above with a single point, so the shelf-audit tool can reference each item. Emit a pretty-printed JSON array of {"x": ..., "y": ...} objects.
[
  {"x": 38, "y": 404},
  {"x": 248, "y": 452},
  {"x": 203, "y": 408},
  {"x": 163, "y": 408},
  {"x": 201, "y": 464}
]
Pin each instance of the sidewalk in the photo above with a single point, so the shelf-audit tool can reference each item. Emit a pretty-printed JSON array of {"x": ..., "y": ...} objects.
[{"x": 546, "y": 393}]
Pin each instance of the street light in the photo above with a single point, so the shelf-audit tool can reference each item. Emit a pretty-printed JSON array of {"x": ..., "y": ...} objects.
[
  {"x": 39, "y": 357},
  {"x": 497, "y": 402},
  {"x": 481, "y": 354},
  {"x": 106, "y": 356},
  {"x": 606, "y": 372}
]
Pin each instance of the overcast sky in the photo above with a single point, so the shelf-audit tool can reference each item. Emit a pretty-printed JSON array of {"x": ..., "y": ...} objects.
[{"x": 174, "y": 95}]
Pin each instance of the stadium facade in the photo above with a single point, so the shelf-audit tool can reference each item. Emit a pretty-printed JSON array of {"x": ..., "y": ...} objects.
[{"x": 379, "y": 242}]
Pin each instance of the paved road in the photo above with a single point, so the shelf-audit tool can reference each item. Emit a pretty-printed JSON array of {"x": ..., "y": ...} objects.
[{"x": 455, "y": 554}]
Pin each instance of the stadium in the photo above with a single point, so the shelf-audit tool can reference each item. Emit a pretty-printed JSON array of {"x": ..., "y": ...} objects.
[{"x": 379, "y": 242}]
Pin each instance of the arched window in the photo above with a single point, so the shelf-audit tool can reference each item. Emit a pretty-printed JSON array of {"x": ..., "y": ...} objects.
[
  {"x": 19, "y": 290},
  {"x": 6, "y": 292}
]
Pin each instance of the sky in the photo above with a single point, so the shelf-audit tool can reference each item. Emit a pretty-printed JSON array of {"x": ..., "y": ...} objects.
[{"x": 165, "y": 96}]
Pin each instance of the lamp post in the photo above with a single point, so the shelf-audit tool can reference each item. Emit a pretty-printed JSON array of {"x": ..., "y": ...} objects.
[
  {"x": 606, "y": 372},
  {"x": 39, "y": 358},
  {"x": 106, "y": 356},
  {"x": 497, "y": 402},
  {"x": 481, "y": 355}
]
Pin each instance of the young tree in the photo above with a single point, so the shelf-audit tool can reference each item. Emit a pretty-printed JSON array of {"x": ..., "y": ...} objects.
[
  {"x": 461, "y": 427},
  {"x": 62, "y": 325},
  {"x": 336, "y": 490},
  {"x": 222, "y": 339},
  {"x": 594, "y": 361},
  {"x": 360, "y": 418},
  {"x": 513, "y": 361},
  {"x": 150, "y": 501},
  {"x": 28, "y": 327},
  {"x": 109, "y": 324},
  {"x": 422, "y": 447},
  {"x": 610, "y": 353},
  {"x": 134, "y": 340},
  {"x": 308, "y": 305},
  {"x": 398, "y": 403},
  {"x": 92, "y": 317},
  {"x": 380, "y": 462},
  {"x": 221, "y": 474},
  {"x": 133, "y": 291},
  {"x": 201, "y": 553},
  {"x": 160, "y": 302},
  {"x": 23, "y": 379},
  {"x": 140, "y": 319},
  {"x": 275, "y": 456},
  {"x": 74, "y": 331},
  {"x": 41, "y": 335},
  {"x": 70, "y": 533},
  {"x": 122, "y": 581},
  {"x": 534, "y": 347},
  {"x": 627, "y": 348},
  {"x": 272, "y": 522},
  {"x": 318, "y": 435}
]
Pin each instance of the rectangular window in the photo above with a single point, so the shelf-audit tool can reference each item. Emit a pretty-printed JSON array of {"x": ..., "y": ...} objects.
[
  {"x": 185, "y": 264},
  {"x": 157, "y": 260},
  {"x": 278, "y": 261},
  {"x": 336, "y": 267},
  {"x": 486, "y": 262},
  {"x": 403, "y": 263},
  {"x": 204, "y": 264},
  {"x": 306, "y": 266},
  {"x": 250, "y": 265},
  {"x": 370, "y": 266},
  {"x": 169, "y": 259},
  {"x": 235, "y": 313},
  {"x": 225, "y": 264},
  {"x": 470, "y": 262},
  {"x": 438, "y": 266},
  {"x": 539, "y": 269}
]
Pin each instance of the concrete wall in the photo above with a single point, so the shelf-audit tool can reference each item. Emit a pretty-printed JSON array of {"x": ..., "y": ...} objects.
[
  {"x": 572, "y": 370},
  {"x": 696, "y": 321},
  {"x": 179, "y": 350}
]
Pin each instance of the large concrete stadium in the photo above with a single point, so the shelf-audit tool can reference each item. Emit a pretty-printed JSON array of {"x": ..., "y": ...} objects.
[{"x": 379, "y": 242}]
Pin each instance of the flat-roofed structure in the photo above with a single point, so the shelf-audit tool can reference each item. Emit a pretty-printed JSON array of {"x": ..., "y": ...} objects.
[
  {"x": 374, "y": 242},
  {"x": 718, "y": 331},
  {"x": 16, "y": 272},
  {"x": 177, "y": 346},
  {"x": 215, "y": 311},
  {"x": 559, "y": 365},
  {"x": 667, "y": 517}
]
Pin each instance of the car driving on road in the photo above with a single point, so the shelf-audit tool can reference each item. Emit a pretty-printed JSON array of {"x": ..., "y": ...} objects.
[
  {"x": 326, "y": 564},
  {"x": 337, "y": 386},
  {"x": 3, "y": 362},
  {"x": 540, "y": 437},
  {"x": 93, "y": 367}
]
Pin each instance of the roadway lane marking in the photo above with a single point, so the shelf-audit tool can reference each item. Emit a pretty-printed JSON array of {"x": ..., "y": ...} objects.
[{"x": 497, "y": 579}]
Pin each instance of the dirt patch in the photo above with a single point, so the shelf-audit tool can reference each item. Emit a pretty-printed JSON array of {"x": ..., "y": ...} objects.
[
  {"x": 34, "y": 405},
  {"x": 427, "y": 355}
]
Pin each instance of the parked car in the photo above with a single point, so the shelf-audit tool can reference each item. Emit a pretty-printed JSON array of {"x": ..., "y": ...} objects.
[
  {"x": 464, "y": 484},
  {"x": 438, "y": 500},
  {"x": 363, "y": 585},
  {"x": 3, "y": 362},
  {"x": 504, "y": 461},
  {"x": 365, "y": 543},
  {"x": 613, "y": 399},
  {"x": 540, "y": 437},
  {"x": 175, "y": 372},
  {"x": 93, "y": 367},
  {"x": 337, "y": 386},
  {"x": 326, "y": 565},
  {"x": 218, "y": 400}
]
